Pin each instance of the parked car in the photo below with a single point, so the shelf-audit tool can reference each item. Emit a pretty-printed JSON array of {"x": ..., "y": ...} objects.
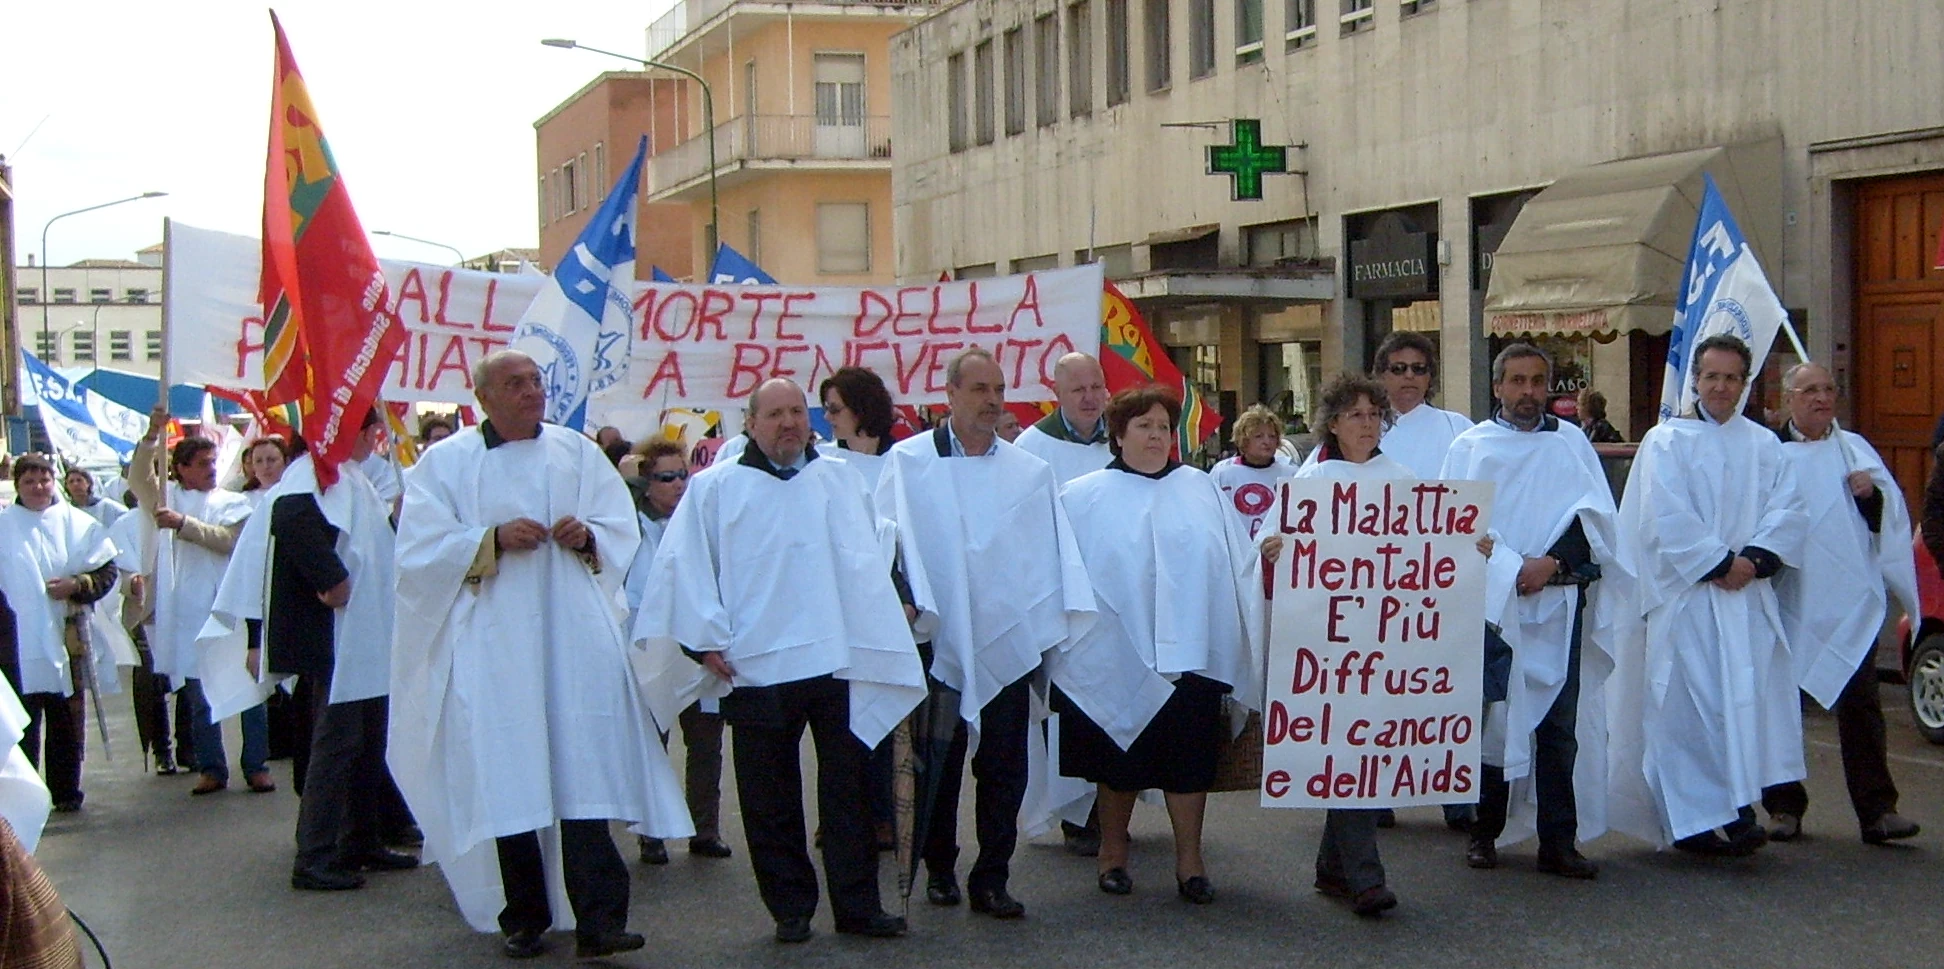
[{"x": 1923, "y": 659}]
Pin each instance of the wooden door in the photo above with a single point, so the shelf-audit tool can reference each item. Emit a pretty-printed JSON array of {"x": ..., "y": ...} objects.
[{"x": 1900, "y": 323}]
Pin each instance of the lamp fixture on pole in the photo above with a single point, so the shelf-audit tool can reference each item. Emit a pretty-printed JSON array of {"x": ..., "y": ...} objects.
[
  {"x": 400, "y": 235},
  {"x": 47, "y": 296}
]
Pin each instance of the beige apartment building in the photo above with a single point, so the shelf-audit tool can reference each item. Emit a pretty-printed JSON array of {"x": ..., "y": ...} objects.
[
  {"x": 803, "y": 133},
  {"x": 1477, "y": 170},
  {"x": 582, "y": 147}
]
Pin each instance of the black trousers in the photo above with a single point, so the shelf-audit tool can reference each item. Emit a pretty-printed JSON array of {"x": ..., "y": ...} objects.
[
  {"x": 999, "y": 771},
  {"x": 62, "y": 720},
  {"x": 1555, "y": 749},
  {"x": 1866, "y": 761},
  {"x": 767, "y": 724},
  {"x": 345, "y": 782},
  {"x": 597, "y": 881},
  {"x": 1348, "y": 851}
]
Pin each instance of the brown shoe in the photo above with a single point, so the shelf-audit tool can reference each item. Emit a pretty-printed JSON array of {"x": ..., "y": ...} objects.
[
  {"x": 209, "y": 784},
  {"x": 260, "y": 783}
]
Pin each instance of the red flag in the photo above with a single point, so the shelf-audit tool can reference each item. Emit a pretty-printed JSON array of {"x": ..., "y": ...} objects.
[
  {"x": 1131, "y": 356},
  {"x": 329, "y": 334}
]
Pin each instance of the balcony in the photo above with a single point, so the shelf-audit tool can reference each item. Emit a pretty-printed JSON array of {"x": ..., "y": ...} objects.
[
  {"x": 752, "y": 143},
  {"x": 673, "y": 28}
]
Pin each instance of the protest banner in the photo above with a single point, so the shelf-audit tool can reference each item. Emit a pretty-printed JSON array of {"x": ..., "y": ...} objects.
[
  {"x": 1376, "y": 652},
  {"x": 695, "y": 346}
]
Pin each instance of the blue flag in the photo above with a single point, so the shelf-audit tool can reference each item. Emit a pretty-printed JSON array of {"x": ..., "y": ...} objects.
[
  {"x": 1723, "y": 290},
  {"x": 660, "y": 275},
  {"x": 83, "y": 426},
  {"x": 734, "y": 267},
  {"x": 580, "y": 328}
]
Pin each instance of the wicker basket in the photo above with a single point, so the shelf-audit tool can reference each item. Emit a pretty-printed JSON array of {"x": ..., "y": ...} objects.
[{"x": 1239, "y": 768}]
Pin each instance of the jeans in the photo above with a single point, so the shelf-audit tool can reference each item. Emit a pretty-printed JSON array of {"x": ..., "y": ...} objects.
[{"x": 210, "y": 758}]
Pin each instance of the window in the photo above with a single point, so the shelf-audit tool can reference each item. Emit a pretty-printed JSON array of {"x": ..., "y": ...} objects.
[
  {"x": 540, "y": 198},
  {"x": 1117, "y": 72},
  {"x": 1036, "y": 264},
  {"x": 582, "y": 197},
  {"x": 1299, "y": 23},
  {"x": 955, "y": 101},
  {"x": 1080, "y": 59},
  {"x": 1159, "y": 69},
  {"x": 84, "y": 349},
  {"x": 982, "y": 93},
  {"x": 840, "y": 89},
  {"x": 121, "y": 345},
  {"x": 45, "y": 347},
  {"x": 1015, "y": 81},
  {"x": 101, "y": 295},
  {"x": 63, "y": 294},
  {"x": 844, "y": 237},
  {"x": 1417, "y": 6},
  {"x": 1274, "y": 242},
  {"x": 600, "y": 171},
  {"x": 1046, "y": 55},
  {"x": 983, "y": 270},
  {"x": 754, "y": 249},
  {"x": 569, "y": 186},
  {"x": 154, "y": 342},
  {"x": 1248, "y": 31},
  {"x": 1201, "y": 38},
  {"x": 135, "y": 294},
  {"x": 28, "y": 294},
  {"x": 1357, "y": 15}
]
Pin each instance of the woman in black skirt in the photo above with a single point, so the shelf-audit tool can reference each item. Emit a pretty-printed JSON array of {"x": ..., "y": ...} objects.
[{"x": 1141, "y": 693}]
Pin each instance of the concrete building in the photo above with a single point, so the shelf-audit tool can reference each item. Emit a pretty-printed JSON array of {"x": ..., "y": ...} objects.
[
  {"x": 803, "y": 142},
  {"x": 1474, "y": 169},
  {"x": 94, "y": 313},
  {"x": 582, "y": 147}
]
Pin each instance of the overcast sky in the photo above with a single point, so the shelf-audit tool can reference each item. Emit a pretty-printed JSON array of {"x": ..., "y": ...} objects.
[{"x": 428, "y": 104}]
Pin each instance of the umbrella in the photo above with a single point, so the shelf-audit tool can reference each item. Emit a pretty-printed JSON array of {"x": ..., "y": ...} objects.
[{"x": 922, "y": 742}]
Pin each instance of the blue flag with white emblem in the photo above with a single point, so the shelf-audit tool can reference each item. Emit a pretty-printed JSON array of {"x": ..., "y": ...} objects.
[
  {"x": 1723, "y": 290},
  {"x": 579, "y": 330},
  {"x": 734, "y": 267},
  {"x": 83, "y": 426}
]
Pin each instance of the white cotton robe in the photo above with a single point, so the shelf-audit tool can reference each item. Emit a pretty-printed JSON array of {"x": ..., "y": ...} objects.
[
  {"x": 24, "y": 800},
  {"x": 512, "y": 702},
  {"x": 1545, "y": 480},
  {"x": 1832, "y": 601},
  {"x": 1069, "y": 459},
  {"x": 57, "y": 542},
  {"x": 1178, "y": 589},
  {"x": 1249, "y": 491},
  {"x": 1702, "y": 704},
  {"x": 988, "y": 552},
  {"x": 810, "y": 598},
  {"x": 186, "y": 578}
]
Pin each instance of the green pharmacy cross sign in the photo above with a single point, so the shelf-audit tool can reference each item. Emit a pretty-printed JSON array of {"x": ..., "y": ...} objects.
[{"x": 1247, "y": 159}]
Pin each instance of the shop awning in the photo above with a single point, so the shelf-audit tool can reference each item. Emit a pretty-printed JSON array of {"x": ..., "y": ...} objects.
[
  {"x": 1189, "y": 234},
  {"x": 1601, "y": 250}
]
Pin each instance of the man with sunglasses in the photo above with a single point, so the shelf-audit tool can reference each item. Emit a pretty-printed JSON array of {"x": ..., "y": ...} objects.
[{"x": 664, "y": 479}]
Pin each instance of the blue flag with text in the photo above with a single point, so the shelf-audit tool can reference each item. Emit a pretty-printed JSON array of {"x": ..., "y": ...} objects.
[{"x": 1723, "y": 290}]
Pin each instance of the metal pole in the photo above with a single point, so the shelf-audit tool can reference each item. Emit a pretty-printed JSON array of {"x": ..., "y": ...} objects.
[
  {"x": 47, "y": 297},
  {"x": 400, "y": 235}
]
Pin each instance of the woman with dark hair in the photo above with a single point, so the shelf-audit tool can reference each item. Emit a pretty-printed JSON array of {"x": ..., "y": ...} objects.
[
  {"x": 1141, "y": 694},
  {"x": 858, "y": 407},
  {"x": 1593, "y": 419},
  {"x": 434, "y": 428},
  {"x": 264, "y": 460}
]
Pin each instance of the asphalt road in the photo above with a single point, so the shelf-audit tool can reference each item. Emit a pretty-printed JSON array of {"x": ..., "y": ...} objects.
[{"x": 168, "y": 880}]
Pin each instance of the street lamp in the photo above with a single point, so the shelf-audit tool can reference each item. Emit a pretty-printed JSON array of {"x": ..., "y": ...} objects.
[
  {"x": 46, "y": 295},
  {"x": 708, "y": 121},
  {"x": 401, "y": 235}
]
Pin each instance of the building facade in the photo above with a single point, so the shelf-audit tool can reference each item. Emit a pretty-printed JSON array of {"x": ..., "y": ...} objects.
[
  {"x": 1478, "y": 170},
  {"x": 802, "y": 142},
  {"x": 584, "y": 144},
  {"x": 104, "y": 313}
]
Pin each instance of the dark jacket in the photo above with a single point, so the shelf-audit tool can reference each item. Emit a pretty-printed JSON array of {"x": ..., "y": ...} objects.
[{"x": 299, "y": 632}]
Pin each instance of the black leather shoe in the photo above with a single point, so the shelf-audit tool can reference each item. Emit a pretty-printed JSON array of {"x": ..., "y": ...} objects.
[
  {"x": 996, "y": 903},
  {"x": 709, "y": 848},
  {"x": 1481, "y": 854},
  {"x": 943, "y": 890},
  {"x": 1116, "y": 881},
  {"x": 1567, "y": 863},
  {"x": 791, "y": 931},
  {"x": 607, "y": 945},
  {"x": 1198, "y": 889},
  {"x": 1705, "y": 843},
  {"x": 653, "y": 851},
  {"x": 385, "y": 859},
  {"x": 1372, "y": 902},
  {"x": 325, "y": 880},
  {"x": 880, "y": 926},
  {"x": 524, "y": 944},
  {"x": 1890, "y": 827},
  {"x": 1332, "y": 887},
  {"x": 1081, "y": 841}
]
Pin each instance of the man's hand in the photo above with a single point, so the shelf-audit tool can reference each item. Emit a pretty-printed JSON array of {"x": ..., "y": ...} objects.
[
  {"x": 337, "y": 595},
  {"x": 168, "y": 518},
  {"x": 1535, "y": 573},
  {"x": 1272, "y": 548},
  {"x": 1860, "y": 484},
  {"x": 62, "y": 588},
  {"x": 719, "y": 666},
  {"x": 520, "y": 535},
  {"x": 911, "y": 613},
  {"x": 253, "y": 661},
  {"x": 570, "y": 533},
  {"x": 1740, "y": 573},
  {"x": 158, "y": 427},
  {"x": 137, "y": 586}
]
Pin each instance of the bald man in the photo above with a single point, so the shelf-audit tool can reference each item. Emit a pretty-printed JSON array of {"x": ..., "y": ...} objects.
[{"x": 1073, "y": 439}]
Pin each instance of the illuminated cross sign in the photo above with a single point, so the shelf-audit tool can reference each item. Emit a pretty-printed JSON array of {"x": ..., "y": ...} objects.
[{"x": 1247, "y": 159}]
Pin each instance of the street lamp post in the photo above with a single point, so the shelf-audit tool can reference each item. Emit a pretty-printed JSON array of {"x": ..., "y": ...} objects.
[
  {"x": 47, "y": 296},
  {"x": 401, "y": 235},
  {"x": 708, "y": 122}
]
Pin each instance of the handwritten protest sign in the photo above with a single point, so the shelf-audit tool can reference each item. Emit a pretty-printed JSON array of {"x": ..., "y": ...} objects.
[
  {"x": 695, "y": 346},
  {"x": 1376, "y": 653}
]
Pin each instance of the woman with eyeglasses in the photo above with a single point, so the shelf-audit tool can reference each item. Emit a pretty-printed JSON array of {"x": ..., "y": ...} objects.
[
  {"x": 858, "y": 407},
  {"x": 1420, "y": 434}
]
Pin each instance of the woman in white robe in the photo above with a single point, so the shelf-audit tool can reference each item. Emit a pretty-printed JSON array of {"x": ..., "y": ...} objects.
[
  {"x": 858, "y": 407},
  {"x": 1141, "y": 694}
]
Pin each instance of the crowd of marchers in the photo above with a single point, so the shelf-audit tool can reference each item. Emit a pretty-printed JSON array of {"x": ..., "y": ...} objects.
[{"x": 485, "y": 655}]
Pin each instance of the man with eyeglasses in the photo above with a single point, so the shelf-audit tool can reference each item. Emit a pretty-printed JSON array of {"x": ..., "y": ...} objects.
[
  {"x": 664, "y": 479},
  {"x": 1703, "y": 707}
]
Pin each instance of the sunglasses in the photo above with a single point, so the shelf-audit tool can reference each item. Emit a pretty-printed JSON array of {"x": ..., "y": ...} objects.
[
  {"x": 1416, "y": 369},
  {"x": 669, "y": 477}
]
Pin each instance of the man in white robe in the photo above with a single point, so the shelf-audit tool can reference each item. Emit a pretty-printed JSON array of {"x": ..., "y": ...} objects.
[
  {"x": 513, "y": 709},
  {"x": 1833, "y": 603},
  {"x": 57, "y": 563},
  {"x": 806, "y": 625},
  {"x": 1073, "y": 439},
  {"x": 196, "y": 524},
  {"x": 986, "y": 549},
  {"x": 1554, "y": 529},
  {"x": 1703, "y": 705}
]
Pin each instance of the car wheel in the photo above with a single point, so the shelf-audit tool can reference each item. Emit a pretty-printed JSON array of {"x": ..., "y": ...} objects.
[{"x": 1927, "y": 688}]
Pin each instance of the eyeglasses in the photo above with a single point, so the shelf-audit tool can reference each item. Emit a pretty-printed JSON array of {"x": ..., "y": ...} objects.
[
  {"x": 669, "y": 477},
  {"x": 1400, "y": 369}
]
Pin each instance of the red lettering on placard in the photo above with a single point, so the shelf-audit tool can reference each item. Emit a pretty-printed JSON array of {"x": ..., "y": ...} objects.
[
  {"x": 1028, "y": 303},
  {"x": 715, "y": 305},
  {"x": 880, "y": 312},
  {"x": 486, "y": 320},
  {"x": 756, "y": 312},
  {"x": 412, "y": 288},
  {"x": 746, "y": 369},
  {"x": 244, "y": 348},
  {"x": 662, "y": 323},
  {"x": 777, "y": 367},
  {"x": 452, "y": 358},
  {"x": 669, "y": 369},
  {"x": 937, "y": 305},
  {"x": 972, "y": 312},
  {"x": 906, "y": 374},
  {"x": 904, "y": 313},
  {"x": 941, "y": 354},
  {"x": 1276, "y": 783},
  {"x": 445, "y": 294},
  {"x": 789, "y": 313}
]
